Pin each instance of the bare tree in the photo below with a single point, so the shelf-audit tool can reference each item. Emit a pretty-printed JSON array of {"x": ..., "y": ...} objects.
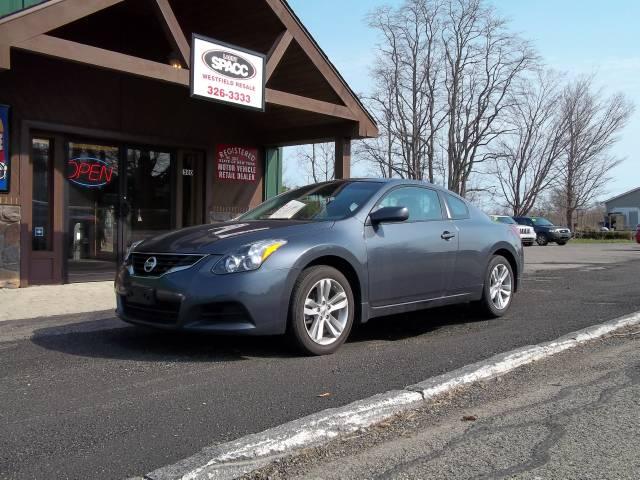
[
  {"x": 317, "y": 160},
  {"x": 407, "y": 74},
  {"x": 593, "y": 122},
  {"x": 483, "y": 60},
  {"x": 525, "y": 157}
]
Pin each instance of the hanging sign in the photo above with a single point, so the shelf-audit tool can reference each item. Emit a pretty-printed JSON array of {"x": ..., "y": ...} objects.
[
  {"x": 5, "y": 160},
  {"x": 89, "y": 172},
  {"x": 236, "y": 163},
  {"x": 228, "y": 74}
]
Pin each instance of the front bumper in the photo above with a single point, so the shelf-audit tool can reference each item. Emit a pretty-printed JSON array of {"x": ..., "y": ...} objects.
[
  {"x": 562, "y": 236},
  {"x": 528, "y": 238},
  {"x": 195, "y": 299}
]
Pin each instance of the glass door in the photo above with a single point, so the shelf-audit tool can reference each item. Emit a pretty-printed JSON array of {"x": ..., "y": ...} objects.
[
  {"x": 148, "y": 201},
  {"x": 93, "y": 210}
]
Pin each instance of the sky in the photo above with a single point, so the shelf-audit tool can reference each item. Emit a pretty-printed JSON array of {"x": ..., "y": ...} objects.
[{"x": 579, "y": 37}]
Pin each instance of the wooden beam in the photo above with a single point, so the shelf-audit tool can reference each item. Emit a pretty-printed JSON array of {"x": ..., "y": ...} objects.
[
  {"x": 277, "y": 52},
  {"x": 101, "y": 58},
  {"x": 98, "y": 57},
  {"x": 47, "y": 16},
  {"x": 292, "y": 24},
  {"x": 298, "y": 102},
  {"x": 342, "y": 167},
  {"x": 173, "y": 30}
]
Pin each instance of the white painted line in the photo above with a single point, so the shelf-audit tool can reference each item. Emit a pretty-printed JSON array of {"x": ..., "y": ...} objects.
[{"x": 233, "y": 459}]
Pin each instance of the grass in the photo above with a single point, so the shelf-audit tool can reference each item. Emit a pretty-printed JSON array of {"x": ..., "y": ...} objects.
[{"x": 600, "y": 240}]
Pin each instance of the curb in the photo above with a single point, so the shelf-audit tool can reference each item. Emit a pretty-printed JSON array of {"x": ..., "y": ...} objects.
[{"x": 232, "y": 459}]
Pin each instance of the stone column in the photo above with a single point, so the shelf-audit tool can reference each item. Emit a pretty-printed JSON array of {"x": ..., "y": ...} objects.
[{"x": 9, "y": 246}]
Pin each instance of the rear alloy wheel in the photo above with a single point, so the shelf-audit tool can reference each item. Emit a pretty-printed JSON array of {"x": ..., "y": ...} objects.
[
  {"x": 498, "y": 287},
  {"x": 322, "y": 310},
  {"x": 541, "y": 240}
]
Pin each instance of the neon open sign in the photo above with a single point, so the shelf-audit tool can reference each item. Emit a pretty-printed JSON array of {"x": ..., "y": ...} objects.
[{"x": 89, "y": 172}]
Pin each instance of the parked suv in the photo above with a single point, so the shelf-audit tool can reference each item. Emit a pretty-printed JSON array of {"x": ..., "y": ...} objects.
[
  {"x": 527, "y": 235},
  {"x": 545, "y": 230},
  {"x": 638, "y": 234}
]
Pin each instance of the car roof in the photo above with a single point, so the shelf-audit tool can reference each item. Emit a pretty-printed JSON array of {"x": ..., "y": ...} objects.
[{"x": 395, "y": 181}]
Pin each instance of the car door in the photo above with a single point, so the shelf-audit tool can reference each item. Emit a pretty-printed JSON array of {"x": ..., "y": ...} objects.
[{"x": 412, "y": 260}]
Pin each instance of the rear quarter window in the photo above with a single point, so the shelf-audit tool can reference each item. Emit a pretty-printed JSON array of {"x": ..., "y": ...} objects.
[{"x": 457, "y": 207}]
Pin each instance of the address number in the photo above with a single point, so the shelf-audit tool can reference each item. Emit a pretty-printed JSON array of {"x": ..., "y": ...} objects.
[{"x": 187, "y": 172}]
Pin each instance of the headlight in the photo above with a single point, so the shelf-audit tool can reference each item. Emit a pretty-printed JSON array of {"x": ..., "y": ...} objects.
[
  {"x": 130, "y": 249},
  {"x": 249, "y": 257}
]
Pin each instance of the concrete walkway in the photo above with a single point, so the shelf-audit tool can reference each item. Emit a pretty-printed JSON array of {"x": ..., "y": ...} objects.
[{"x": 50, "y": 300}]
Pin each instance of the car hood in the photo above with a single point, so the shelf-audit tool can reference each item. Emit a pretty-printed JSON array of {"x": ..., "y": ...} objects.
[{"x": 219, "y": 238}]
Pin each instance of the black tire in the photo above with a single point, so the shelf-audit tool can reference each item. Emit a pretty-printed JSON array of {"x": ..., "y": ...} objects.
[
  {"x": 297, "y": 323},
  {"x": 541, "y": 239},
  {"x": 562, "y": 242},
  {"x": 486, "y": 303}
]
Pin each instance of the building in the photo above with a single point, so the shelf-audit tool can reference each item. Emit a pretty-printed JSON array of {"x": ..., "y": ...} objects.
[
  {"x": 627, "y": 205},
  {"x": 110, "y": 135}
]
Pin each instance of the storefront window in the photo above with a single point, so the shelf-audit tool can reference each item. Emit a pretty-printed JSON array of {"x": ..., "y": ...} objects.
[
  {"x": 149, "y": 193},
  {"x": 41, "y": 206}
]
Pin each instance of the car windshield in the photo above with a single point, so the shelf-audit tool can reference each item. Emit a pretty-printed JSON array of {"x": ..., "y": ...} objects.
[
  {"x": 540, "y": 221},
  {"x": 508, "y": 220},
  {"x": 325, "y": 201}
]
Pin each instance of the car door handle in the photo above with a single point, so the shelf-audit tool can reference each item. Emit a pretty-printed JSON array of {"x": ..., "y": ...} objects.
[{"x": 447, "y": 235}]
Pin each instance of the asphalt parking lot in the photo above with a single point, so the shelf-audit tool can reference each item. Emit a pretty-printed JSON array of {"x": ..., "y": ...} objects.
[{"x": 88, "y": 397}]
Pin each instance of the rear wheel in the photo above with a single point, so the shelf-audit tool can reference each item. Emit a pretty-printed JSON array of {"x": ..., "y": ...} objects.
[
  {"x": 321, "y": 311},
  {"x": 541, "y": 239},
  {"x": 499, "y": 285},
  {"x": 562, "y": 242}
]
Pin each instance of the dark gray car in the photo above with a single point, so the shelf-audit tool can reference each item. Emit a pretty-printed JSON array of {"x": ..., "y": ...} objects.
[{"x": 313, "y": 261}]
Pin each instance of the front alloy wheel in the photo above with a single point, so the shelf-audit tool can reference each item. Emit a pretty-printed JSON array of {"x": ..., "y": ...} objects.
[
  {"x": 321, "y": 311},
  {"x": 326, "y": 311}
]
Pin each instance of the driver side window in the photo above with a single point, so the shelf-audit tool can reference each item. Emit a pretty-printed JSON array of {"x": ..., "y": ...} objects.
[{"x": 423, "y": 203}]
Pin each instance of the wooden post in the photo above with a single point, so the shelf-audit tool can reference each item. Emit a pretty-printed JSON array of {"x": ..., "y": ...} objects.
[{"x": 343, "y": 158}]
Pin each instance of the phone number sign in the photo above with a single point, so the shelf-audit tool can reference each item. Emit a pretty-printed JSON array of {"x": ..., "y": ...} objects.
[
  {"x": 227, "y": 74},
  {"x": 237, "y": 164}
]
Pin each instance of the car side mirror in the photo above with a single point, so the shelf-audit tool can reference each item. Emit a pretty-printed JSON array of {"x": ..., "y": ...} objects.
[{"x": 389, "y": 214}]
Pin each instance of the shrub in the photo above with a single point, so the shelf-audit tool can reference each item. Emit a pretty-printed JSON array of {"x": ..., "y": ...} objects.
[{"x": 605, "y": 235}]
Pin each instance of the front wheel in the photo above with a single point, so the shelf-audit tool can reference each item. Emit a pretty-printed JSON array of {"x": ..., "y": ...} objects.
[
  {"x": 541, "y": 240},
  {"x": 321, "y": 311},
  {"x": 562, "y": 242},
  {"x": 499, "y": 285}
]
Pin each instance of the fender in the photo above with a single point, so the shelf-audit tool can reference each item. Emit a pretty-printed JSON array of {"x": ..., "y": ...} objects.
[{"x": 312, "y": 254}]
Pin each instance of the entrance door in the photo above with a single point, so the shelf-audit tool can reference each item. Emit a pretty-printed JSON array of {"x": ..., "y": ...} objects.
[
  {"x": 93, "y": 210},
  {"x": 148, "y": 201}
]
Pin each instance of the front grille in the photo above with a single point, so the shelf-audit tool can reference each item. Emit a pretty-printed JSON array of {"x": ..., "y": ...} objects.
[
  {"x": 524, "y": 230},
  {"x": 564, "y": 231},
  {"x": 164, "y": 263},
  {"x": 165, "y": 313}
]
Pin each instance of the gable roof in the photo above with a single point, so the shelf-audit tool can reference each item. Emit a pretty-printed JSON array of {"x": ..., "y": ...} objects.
[
  {"x": 32, "y": 29},
  {"x": 633, "y": 190}
]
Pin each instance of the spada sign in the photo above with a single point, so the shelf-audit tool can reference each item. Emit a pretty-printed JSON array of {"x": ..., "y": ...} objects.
[
  {"x": 236, "y": 163},
  {"x": 226, "y": 73},
  {"x": 89, "y": 172}
]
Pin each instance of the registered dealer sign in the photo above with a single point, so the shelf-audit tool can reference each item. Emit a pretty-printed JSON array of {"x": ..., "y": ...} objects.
[{"x": 226, "y": 73}]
